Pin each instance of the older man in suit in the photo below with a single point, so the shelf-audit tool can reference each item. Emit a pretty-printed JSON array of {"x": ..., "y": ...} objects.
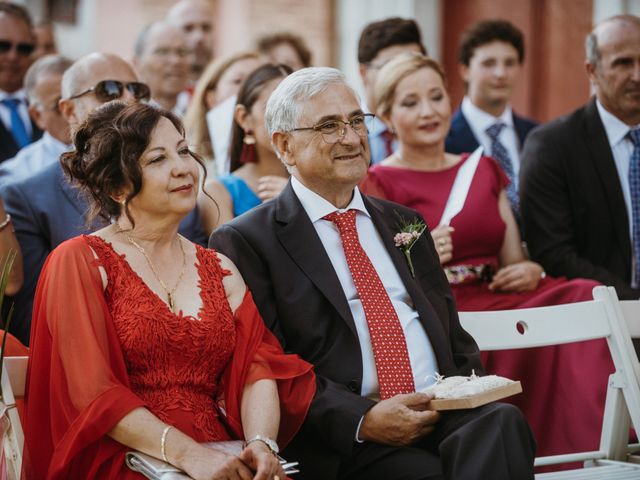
[
  {"x": 17, "y": 42},
  {"x": 46, "y": 210},
  {"x": 580, "y": 177},
  {"x": 321, "y": 262}
]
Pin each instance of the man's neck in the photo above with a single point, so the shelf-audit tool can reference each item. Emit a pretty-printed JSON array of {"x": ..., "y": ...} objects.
[
  {"x": 495, "y": 109},
  {"x": 168, "y": 103}
]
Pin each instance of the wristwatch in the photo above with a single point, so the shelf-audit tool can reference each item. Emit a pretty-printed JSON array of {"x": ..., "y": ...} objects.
[{"x": 271, "y": 444}]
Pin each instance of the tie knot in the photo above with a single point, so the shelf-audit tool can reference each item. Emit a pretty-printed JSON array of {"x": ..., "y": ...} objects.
[
  {"x": 494, "y": 130},
  {"x": 634, "y": 136},
  {"x": 11, "y": 103},
  {"x": 344, "y": 221}
]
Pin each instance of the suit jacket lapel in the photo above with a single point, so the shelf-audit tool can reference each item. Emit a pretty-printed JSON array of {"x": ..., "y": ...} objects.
[
  {"x": 466, "y": 141},
  {"x": 299, "y": 238},
  {"x": 598, "y": 143}
]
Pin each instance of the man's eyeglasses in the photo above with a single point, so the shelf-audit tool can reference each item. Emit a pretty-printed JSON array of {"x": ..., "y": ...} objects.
[
  {"x": 333, "y": 131},
  {"x": 23, "y": 49},
  {"x": 108, "y": 90}
]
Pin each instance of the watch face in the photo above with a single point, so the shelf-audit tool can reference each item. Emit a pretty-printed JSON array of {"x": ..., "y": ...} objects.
[{"x": 272, "y": 445}]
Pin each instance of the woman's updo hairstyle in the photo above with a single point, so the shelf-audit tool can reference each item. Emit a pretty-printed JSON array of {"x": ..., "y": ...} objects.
[
  {"x": 106, "y": 159},
  {"x": 392, "y": 73}
]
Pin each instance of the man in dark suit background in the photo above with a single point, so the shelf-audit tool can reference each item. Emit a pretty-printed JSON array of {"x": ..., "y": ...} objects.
[
  {"x": 46, "y": 210},
  {"x": 580, "y": 174},
  {"x": 321, "y": 262},
  {"x": 491, "y": 54},
  {"x": 17, "y": 42}
]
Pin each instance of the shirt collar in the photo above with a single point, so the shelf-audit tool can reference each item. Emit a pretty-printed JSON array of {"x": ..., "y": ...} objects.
[
  {"x": 615, "y": 128},
  {"x": 19, "y": 94},
  {"x": 483, "y": 120},
  {"x": 317, "y": 206},
  {"x": 54, "y": 145}
]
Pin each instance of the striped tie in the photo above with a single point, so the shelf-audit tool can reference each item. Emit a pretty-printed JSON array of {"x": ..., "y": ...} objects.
[{"x": 500, "y": 153}]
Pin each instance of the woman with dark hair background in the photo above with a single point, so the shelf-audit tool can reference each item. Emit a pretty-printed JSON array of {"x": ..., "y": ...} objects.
[
  {"x": 143, "y": 340},
  {"x": 256, "y": 172}
]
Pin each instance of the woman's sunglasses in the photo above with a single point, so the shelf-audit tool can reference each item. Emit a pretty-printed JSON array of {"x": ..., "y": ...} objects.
[
  {"x": 22, "y": 49},
  {"x": 108, "y": 90}
]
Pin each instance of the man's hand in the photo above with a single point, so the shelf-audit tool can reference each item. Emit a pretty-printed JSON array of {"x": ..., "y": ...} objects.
[
  {"x": 399, "y": 421},
  {"x": 270, "y": 186},
  {"x": 518, "y": 277}
]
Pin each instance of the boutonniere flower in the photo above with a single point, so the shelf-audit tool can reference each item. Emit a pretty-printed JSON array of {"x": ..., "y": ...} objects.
[{"x": 406, "y": 238}]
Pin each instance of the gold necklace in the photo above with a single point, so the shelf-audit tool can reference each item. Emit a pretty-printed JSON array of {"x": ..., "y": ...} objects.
[{"x": 153, "y": 268}]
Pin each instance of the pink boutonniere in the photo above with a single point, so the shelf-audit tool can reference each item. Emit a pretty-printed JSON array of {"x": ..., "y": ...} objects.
[{"x": 407, "y": 237}]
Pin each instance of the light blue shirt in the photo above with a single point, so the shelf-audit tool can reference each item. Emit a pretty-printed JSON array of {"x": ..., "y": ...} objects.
[
  {"x": 31, "y": 159},
  {"x": 421, "y": 354},
  {"x": 376, "y": 142}
]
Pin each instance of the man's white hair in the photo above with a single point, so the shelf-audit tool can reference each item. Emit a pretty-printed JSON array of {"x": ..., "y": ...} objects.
[{"x": 285, "y": 104}]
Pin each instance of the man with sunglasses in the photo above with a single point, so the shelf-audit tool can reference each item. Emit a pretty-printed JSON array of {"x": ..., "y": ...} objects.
[
  {"x": 45, "y": 209},
  {"x": 17, "y": 43},
  {"x": 321, "y": 263}
]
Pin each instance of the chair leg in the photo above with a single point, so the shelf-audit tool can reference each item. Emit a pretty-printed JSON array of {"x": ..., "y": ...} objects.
[{"x": 615, "y": 428}]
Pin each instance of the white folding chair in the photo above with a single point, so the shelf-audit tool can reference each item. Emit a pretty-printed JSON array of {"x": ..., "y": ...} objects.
[
  {"x": 14, "y": 374},
  {"x": 600, "y": 318}
]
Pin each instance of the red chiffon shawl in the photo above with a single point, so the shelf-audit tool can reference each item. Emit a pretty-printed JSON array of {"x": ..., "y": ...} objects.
[{"x": 77, "y": 383}]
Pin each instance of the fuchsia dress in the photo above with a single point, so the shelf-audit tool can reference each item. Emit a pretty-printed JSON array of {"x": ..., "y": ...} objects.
[{"x": 564, "y": 387}]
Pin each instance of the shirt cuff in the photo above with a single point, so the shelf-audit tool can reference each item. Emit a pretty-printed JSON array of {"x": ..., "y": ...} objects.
[{"x": 358, "y": 430}]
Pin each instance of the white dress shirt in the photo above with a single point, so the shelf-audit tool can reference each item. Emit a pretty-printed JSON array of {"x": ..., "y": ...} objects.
[
  {"x": 621, "y": 149},
  {"x": 31, "y": 159},
  {"x": 479, "y": 121},
  {"x": 23, "y": 110},
  {"x": 421, "y": 354}
]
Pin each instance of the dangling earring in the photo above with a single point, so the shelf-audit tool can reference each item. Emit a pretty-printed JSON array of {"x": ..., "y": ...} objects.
[{"x": 248, "y": 153}]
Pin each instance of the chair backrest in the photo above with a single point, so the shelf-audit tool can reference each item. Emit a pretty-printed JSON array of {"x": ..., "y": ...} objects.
[
  {"x": 12, "y": 384},
  {"x": 631, "y": 312},
  {"x": 601, "y": 317}
]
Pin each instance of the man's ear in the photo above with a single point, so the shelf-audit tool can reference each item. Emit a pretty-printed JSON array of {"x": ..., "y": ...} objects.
[
  {"x": 282, "y": 145},
  {"x": 363, "y": 71},
  {"x": 36, "y": 116},
  {"x": 591, "y": 71},
  {"x": 68, "y": 111},
  {"x": 463, "y": 70}
]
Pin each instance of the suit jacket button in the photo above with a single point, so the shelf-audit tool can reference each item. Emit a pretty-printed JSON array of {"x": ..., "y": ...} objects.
[{"x": 354, "y": 386}]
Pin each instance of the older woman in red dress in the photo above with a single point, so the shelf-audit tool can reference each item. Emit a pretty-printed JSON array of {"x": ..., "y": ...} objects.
[{"x": 142, "y": 340}]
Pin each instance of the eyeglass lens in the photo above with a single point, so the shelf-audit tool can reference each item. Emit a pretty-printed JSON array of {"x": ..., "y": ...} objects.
[
  {"x": 23, "y": 49},
  {"x": 108, "y": 90}
]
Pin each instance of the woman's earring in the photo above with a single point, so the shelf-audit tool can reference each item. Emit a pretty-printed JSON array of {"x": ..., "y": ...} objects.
[{"x": 248, "y": 153}]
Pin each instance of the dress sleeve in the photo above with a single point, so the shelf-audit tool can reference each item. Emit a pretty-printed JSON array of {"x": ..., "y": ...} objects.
[
  {"x": 77, "y": 383},
  {"x": 501, "y": 177},
  {"x": 372, "y": 186},
  {"x": 258, "y": 355}
]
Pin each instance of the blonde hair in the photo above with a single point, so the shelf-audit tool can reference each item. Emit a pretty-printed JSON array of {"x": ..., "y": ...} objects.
[
  {"x": 392, "y": 74},
  {"x": 195, "y": 121}
]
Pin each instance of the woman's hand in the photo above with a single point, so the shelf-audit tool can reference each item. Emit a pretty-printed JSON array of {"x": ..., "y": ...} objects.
[
  {"x": 517, "y": 277},
  {"x": 270, "y": 186},
  {"x": 262, "y": 461},
  {"x": 442, "y": 239},
  {"x": 204, "y": 463}
]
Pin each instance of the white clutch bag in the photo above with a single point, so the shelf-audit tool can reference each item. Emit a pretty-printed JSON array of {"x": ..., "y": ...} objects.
[{"x": 155, "y": 469}]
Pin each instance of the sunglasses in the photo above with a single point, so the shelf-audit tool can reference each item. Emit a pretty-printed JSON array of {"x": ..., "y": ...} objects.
[
  {"x": 108, "y": 90},
  {"x": 23, "y": 49}
]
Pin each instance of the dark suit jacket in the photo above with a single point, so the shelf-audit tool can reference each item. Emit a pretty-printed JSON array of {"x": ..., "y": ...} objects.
[
  {"x": 573, "y": 210},
  {"x": 8, "y": 146},
  {"x": 461, "y": 139},
  {"x": 46, "y": 210},
  {"x": 297, "y": 291}
]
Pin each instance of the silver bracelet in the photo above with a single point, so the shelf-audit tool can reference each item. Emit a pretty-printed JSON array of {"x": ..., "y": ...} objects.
[
  {"x": 7, "y": 221},
  {"x": 163, "y": 443}
]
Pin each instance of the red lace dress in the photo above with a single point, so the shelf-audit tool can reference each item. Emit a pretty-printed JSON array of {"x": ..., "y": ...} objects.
[
  {"x": 564, "y": 387},
  {"x": 98, "y": 354}
]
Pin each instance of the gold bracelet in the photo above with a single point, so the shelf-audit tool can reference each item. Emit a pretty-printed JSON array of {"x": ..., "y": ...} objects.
[
  {"x": 163, "y": 443},
  {"x": 6, "y": 221}
]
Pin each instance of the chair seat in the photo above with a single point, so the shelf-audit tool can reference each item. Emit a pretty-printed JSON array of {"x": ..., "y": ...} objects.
[{"x": 603, "y": 470}]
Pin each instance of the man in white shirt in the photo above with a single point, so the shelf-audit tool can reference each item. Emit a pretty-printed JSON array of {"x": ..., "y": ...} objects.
[
  {"x": 160, "y": 59},
  {"x": 42, "y": 87},
  {"x": 328, "y": 280},
  {"x": 17, "y": 43},
  {"x": 580, "y": 175},
  {"x": 491, "y": 55}
]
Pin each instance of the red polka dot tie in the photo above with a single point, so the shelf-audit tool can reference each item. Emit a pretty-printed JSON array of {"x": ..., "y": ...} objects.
[{"x": 387, "y": 338}]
